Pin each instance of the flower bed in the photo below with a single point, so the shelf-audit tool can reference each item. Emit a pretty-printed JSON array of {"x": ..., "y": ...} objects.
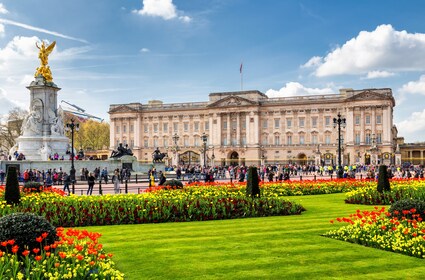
[
  {"x": 189, "y": 204},
  {"x": 400, "y": 189},
  {"x": 294, "y": 188},
  {"x": 76, "y": 255},
  {"x": 378, "y": 229}
]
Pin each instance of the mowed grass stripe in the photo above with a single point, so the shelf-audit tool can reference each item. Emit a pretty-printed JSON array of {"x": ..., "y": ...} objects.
[{"x": 288, "y": 247}]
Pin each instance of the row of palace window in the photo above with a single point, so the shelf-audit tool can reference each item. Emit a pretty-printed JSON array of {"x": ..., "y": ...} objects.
[
  {"x": 314, "y": 121},
  {"x": 289, "y": 124},
  {"x": 314, "y": 139},
  {"x": 197, "y": 142}
]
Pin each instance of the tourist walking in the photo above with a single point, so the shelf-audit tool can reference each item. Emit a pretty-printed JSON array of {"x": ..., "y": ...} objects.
[
  {"x": 48, "y": 182},
  {"x": 66, "y": 182},
  {"x": 116, "y": 181},
  {"x": 90, "y": 181},
  {"x": 162, "y": 178}
]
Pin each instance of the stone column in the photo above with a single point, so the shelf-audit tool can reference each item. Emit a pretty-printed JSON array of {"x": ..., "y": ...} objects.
[
  {"x": 256, "y": 128},
  {"x": 247, "y": 129},
  {"x": 373, "y": 120},
  {"x": 218, "y": 131},
  {"x": 386, "y": 125},
  {"x": 112, "y": 134},
  {"x": 137, "y": 134},
  {"x": 362, "y": 121},
  {"x": 238, "y": 129},
  {"x": 350, "y": 125},
  {"x": 228, "y": 129}
]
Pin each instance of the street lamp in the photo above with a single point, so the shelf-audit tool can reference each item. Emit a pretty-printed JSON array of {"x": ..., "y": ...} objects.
[
  {"x": 71, "y": 127},
  {"x": 204, "y": 139},
  {"x": 373, "y": 149},
  {"x": 338, "y": 122},
  {"x": 212, "y": 157}
]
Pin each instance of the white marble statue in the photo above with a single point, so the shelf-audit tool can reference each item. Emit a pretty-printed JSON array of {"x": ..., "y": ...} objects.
[
  {"x": 32, "y": 123},
  {"x": 45, "y": 151},
  {"x": 57, "y": 127}
]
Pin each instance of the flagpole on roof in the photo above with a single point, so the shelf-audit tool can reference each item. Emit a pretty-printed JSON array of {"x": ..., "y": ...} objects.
[{"x": 241, "y": 72}]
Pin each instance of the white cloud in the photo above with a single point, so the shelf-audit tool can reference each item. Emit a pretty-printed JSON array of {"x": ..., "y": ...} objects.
[
  {"x": 383, "y": 48},
  {"x": 315, "y": 61},
  {"x": 161, "y": 8},
  {"x": 413, "y": 125},
  {"x": 414, "y": 87},
  {"x": 3, "y": 9},
  {"x": 6, "y": 103},
  {"x": 297, "y": 89},
  {"x": 185, "y": 18},
  {"x": 143, "y": 50},
  {"x": 1, "y": 30},
  {"x": 379, "y": 74}
]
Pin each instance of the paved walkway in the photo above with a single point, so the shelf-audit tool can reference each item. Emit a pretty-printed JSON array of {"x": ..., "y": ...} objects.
[{"x": 141, "y": 185}]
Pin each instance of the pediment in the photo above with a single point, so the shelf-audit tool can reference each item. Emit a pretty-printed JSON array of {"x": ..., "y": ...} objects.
[
  {"x": 368, "y": 95},
  {"x": 122, "y": 109},
  {"x": 233, "y": 101}
]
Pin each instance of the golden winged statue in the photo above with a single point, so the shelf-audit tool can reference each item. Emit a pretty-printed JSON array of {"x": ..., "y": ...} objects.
[{"x": 43, "y": 55}]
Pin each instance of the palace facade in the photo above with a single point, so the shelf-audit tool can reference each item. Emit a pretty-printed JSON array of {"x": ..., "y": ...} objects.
[{"x": 248, "y": 127}]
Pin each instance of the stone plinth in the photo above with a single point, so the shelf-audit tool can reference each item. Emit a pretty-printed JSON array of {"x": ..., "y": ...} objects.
[
  {"x": 40, "y": 148},
  {"x": 43, "y": 128}
]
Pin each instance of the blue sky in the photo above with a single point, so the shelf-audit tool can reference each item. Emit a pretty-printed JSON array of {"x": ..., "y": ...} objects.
[{"x": 121, "y": 51}]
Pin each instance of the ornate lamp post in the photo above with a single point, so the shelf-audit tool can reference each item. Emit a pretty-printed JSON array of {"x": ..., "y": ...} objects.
[
  {"x": 72, "y": 127},
  {"x": 338, "y": 122},
  {"x": 212, "y": 157},
  {"x": 374, "y": 149},
  {"x": 204, "y": 139}
]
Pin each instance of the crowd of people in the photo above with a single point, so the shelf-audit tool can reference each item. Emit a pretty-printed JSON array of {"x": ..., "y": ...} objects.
[
  {"x": 279, "y": 172},
  {"x": 196, "y": 173}
]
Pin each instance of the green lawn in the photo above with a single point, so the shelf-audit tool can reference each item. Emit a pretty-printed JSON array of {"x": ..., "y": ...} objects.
[{"x": 256, "y": 248}]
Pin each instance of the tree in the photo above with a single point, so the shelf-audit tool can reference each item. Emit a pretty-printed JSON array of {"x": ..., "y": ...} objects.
[
  {"x": 12, "y": 194},
  {"x": 11, "y": 128},
  {"x": 383, "y": 180},
  {"x": 252, "y": 184},
  {"x": 92, "y": 134}
]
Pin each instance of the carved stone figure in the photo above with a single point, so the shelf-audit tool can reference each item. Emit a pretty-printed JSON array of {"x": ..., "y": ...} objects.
[
  {"x": 45, "y": 151},
  {"x": 57, "y": 126},
  {"x": 32, "y": 123}
]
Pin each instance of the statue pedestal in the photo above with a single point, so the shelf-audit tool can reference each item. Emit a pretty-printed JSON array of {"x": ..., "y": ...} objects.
[
  {"x": 40, "y": 148},
  {"x": 42, "y": 129}
]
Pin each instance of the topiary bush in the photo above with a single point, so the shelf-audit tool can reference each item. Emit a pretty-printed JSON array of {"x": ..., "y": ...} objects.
[
  {"x": 12, "y": 194},
  {"x": 383, "y": 180},
  {"x": 409, "y": 206},
  {"x": 32, "y": 187},
  {"x": 252, "y": 184},
  {"x": 175, "y": 184},
  {"x": 26, "y": 229}
]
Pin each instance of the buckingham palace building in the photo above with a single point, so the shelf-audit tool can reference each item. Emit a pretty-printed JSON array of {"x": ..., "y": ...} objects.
[{"x": 248, "y": 127}]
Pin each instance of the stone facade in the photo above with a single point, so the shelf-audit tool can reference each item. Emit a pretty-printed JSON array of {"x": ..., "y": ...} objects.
[{"x": 248, "y": 127}]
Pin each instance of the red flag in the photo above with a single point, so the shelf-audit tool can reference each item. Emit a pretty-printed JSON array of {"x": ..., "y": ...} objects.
[{"x": 240, "y": 69}]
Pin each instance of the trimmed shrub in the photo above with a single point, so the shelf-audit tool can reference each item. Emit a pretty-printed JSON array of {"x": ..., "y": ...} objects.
[
  {"x": 408, "y": 207},
  {"x": 175, "y": 184},
  {"x": 32, "y": 187},
  {"x": 252, "y": 184},
  {"x": 12, "y": 194},
  {"x": 25, "y": 229},
  {"x": 383, "y": 181}
]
